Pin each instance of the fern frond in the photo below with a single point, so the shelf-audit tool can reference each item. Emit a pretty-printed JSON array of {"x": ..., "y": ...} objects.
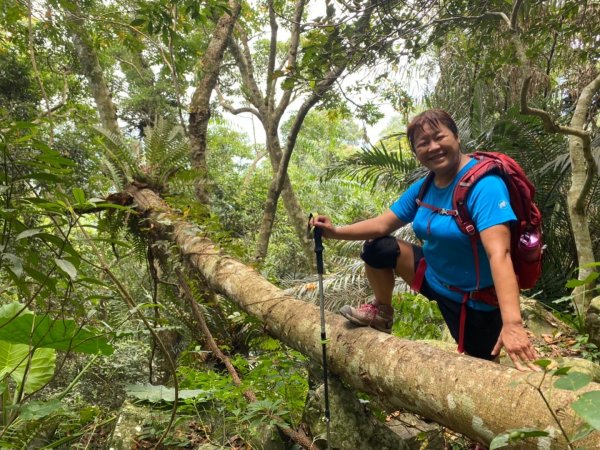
[
  {"x": 119, "y": 153},
  {"x": 166, "y": 152},
  {"x": 117, "y": 176}
]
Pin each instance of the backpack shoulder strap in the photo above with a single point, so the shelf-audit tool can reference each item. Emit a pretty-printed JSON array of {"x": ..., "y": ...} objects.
[
  {"x": 426, "y": 183},
  {"x": 485, "y": 166}
]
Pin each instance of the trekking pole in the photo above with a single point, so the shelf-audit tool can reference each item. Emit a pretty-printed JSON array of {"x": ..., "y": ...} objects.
[{"x": 317, "y": 235}]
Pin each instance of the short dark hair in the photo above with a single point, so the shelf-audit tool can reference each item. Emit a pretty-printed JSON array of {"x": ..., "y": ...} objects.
[{"x": 433, "y": 118}]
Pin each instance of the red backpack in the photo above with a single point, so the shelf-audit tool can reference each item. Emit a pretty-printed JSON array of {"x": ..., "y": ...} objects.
[{"x": 526, "y": 232}]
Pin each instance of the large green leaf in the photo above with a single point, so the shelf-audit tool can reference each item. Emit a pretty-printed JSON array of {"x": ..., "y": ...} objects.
[
  {"x": 14, "y": 360},
  {"x": 11, "y": 356},
  {"x": 573, "y": 381},
  {"x": 39, "y": 372},
  {"x": 588, "y": 407},
  {"x": 43, "y": 331}
]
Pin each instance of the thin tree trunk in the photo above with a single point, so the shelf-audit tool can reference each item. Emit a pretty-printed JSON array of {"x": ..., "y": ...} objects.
[
  {"x": 93, "y": 72},
  {"x": 583, "y": 171},
  {"x": 277, "y": 184},
  {"x": 298, "y": 219},
  {"x": 281, "y": 161},
  {"x": 270, "y": 114},
  {"x": 200, "y": 105},
  {"x": 477, "y": 398}
]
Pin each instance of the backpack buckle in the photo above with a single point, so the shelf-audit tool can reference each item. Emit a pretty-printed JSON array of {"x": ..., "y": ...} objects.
[
  {"x": 448, "y": 212},
  {"x": 470, "y": 228}
]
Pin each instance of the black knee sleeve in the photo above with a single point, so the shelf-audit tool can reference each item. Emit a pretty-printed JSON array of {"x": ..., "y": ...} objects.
[{"x": 381, "y": 253}]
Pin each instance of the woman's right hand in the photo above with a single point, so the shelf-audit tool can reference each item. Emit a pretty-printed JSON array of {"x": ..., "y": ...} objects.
[{"x": 325, "y": 225}]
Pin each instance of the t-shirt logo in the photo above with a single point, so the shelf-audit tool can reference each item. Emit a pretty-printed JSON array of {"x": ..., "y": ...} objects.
[{"x": 502, "y": 204}]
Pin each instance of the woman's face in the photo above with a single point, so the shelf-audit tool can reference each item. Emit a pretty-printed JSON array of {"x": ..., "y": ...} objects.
[{"x": 438, "y": 149}]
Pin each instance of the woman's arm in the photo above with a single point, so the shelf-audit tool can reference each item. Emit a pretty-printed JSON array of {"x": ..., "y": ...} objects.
[
  {"x": 381, "y": 225},
  {"x": 496, "y": 242}
]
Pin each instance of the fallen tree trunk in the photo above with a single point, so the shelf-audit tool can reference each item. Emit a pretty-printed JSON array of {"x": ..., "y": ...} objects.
[{"x": 477, "y": 398}]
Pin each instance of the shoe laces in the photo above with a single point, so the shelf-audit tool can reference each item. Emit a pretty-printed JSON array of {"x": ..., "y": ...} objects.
[{"x": 369, "y": 308}]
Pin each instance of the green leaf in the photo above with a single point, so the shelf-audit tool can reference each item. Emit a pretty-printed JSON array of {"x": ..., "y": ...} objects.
[
  {"x": 11, "y": 356},
  {"x": 576, "y": 283},
  {"x": 561, "y": 371},
  {"x": 43, "y": 331},
  {"x": 38, "y": 409},
  {"x": 39, "y": 372},
  {"x": 543, "y": 363},
  {"x": 15, "y": 360},
  {"x": 573, "y": 381},
  {"x": 15, "y": 263},
  {"x": 79, "y": 195},
  {"x": 27, "y": 233},
  {"x": 288, "y": 84},
  {"x": 582, "y": 432},
  {"x": 67, "y": 267},
  {"x": 156, "y": 394},
  {"x": 587, "y": 406},
  {"x": 502, "y": 440}
]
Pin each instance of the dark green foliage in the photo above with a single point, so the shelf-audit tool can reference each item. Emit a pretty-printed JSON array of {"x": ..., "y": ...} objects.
[
  {"x": 275, "y": 374},
  {"x": 18, "y": 93},
  {"x": 416, "y": 317},
  {"x": 543, "y": 158}
]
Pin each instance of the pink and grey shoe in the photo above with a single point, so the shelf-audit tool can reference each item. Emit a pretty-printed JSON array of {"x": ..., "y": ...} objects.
[{"x": 371, "y": 315}]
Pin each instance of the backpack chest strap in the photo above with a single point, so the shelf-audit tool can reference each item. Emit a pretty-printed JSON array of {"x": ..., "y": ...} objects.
[{"x": 435, "y": 209}]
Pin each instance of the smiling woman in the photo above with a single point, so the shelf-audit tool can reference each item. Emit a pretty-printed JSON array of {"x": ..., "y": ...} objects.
[
  {"x": 475, "y": 288},
  {"x": 433, "y": 137}
]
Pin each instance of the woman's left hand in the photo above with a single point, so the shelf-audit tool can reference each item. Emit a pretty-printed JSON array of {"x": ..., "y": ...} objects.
[{"x": 519, "y": 348}]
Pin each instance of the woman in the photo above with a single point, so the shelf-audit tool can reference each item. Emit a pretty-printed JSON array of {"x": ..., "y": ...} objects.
[{"x": 446, "y": 256}]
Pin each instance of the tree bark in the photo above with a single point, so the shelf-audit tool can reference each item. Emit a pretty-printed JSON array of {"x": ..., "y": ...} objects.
[
  {"x": 92, "y": 70},
  {"x": 583, "y": 171},
  {"x": 200, "y": 104},
  {"x": 477, "y": 398}
]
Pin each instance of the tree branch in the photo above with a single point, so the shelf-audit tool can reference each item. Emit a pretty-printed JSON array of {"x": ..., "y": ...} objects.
[
  {"x": 244, "y": 62},
  {"x": 37, "y": 72},
  {"x": 233, "y": 110},
  {"x": 578, "y": 120},
  {"x": 270, "y": 94},
  {"x": 549, "y": 124},
  {"x": 514, "y": 17},
  {"x": 292, "y": 56},
  {"x": 495, "y": 14}
]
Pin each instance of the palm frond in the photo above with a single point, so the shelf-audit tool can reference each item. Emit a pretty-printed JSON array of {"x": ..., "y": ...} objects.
[{"x": 378, "y": 167}]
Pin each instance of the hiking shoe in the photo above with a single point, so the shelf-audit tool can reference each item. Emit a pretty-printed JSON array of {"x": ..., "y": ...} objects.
[{"x": 371, "y": 315}]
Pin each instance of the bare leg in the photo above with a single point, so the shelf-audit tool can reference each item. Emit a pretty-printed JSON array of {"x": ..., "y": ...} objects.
[
  {"x": 382, "y": 283},
  {"x": 379, "y": 314},
  {"x": 382, "y": 280}
]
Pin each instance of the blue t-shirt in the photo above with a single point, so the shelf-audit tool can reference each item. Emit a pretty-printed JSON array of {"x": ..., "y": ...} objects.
[{"x": 447, "y": 250}]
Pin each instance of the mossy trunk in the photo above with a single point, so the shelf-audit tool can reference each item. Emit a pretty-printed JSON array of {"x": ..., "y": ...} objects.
[{"x": 477, "y": 398}]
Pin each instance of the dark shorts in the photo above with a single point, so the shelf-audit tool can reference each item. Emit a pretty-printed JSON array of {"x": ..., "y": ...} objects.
[{"x": 482, "y": 328}]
